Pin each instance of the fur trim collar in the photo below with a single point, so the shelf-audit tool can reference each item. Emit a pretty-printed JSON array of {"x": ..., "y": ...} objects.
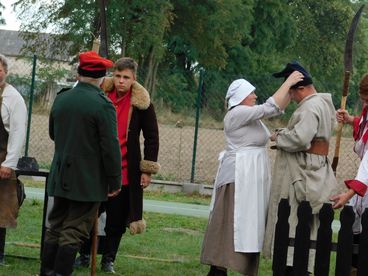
[{"x": 140, "y": 96}]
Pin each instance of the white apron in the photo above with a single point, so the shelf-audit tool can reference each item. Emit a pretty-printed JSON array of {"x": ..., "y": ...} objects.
[{"x": 252, "y": 191}]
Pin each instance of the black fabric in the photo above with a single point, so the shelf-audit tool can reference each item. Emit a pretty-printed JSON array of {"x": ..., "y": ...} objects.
[
  {"x": 26, "y": 163},
  {"x": 355, "y": 257},
  {"x": 48, "y": 258},
  {"x": 2, "y": 240},
  {"x": 111, "y": 248},
  {"x": 290, "y": 68},
  {"x": 92, "y": 74},
  {"x": 21, "y": 194},
  {"x": 65, "y": 258},
  {"x": 214, "y": 271},
  {"x": 141, "y": 121},
  {"x": 117, "y": 212},
  {"x": 82, "y": 261}
]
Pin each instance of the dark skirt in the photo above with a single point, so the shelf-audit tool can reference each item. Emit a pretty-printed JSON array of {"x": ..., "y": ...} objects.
[{"x": 218, "y": 242}]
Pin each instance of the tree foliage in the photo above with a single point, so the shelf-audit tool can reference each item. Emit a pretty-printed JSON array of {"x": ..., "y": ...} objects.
[
  {"x": 173, "y": 39},
  {"x": 2, "y": 20}
]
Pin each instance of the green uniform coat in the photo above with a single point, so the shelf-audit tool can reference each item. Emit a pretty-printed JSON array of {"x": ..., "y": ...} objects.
[{"x": 87, "y": 159}]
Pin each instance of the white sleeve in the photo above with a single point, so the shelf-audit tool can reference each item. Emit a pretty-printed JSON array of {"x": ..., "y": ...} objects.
[
  {"x": 242, "y": 115},
  {"x": 17, "y": 132},
  {"x": 362, "y": 174}
]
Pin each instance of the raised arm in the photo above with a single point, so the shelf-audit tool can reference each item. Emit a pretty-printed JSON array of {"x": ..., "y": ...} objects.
[{"x": 282, "y": 96}]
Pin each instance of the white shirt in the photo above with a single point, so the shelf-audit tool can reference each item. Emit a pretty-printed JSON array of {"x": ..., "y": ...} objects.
[
  {"x": 14, "y": 116},
  {"x": 243, "y": 128}
]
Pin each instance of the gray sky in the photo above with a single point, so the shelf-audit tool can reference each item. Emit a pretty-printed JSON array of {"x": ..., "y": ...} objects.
[{"x": 9, "y": 15}]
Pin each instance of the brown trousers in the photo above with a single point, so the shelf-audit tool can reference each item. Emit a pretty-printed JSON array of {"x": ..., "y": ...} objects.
[{"x": 70, "y": 221}]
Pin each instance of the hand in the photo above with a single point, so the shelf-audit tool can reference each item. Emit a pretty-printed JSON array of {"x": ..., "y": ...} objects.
[
  {"x": 342, "y": 116},
  {"x": 273, "y": 136},
  {"x": 294, "y": 78},
  {"x": 5, "y": 173},
  {"x": 145, "y": 180},
  {"x": 341, "y": 199},
  {"x": 114, "y": 193}
]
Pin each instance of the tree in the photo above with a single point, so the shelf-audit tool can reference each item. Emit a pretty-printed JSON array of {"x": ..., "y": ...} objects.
[
  {"x": 129, "y": 25},
  {"x": 2, "y": 20}
]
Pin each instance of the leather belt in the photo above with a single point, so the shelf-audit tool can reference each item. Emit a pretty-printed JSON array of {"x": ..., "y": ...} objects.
[{"x": 319, "y": 146}]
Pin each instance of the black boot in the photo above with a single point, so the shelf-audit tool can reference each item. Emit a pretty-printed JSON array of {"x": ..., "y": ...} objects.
[
  {"x": 64, "y": 261},
  {"x": 2, "y": 245},
  {"x": 108, "y": 258},
  {"x": 48, "y": 258},
  {"x": 215, "y": 271},
  {"x": 84, "y": 258},
  {"x": 289, "y": 271},
  {"x": 82, "y": 261}
]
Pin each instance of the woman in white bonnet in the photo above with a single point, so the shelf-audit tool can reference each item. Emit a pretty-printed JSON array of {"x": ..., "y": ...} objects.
[{"x": 235, "y": 230}]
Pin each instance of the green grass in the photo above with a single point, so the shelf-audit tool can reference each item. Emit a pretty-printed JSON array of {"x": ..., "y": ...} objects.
[
  {"x": 171, "y": 245},
  {"x": 194, "y": 198}
]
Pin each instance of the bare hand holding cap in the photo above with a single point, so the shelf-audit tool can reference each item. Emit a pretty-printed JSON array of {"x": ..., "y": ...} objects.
[{"x": 290, "y": 68}]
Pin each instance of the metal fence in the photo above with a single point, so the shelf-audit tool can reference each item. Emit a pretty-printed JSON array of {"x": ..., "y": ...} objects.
[{"x": 190, "y": 138}]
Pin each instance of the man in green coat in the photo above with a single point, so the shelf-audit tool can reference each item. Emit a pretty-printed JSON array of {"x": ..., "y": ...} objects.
[{"x": 86, "y": 167}]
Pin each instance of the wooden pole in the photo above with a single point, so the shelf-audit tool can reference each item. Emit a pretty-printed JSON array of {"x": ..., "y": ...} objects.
[{"x": 94, "y": 246}]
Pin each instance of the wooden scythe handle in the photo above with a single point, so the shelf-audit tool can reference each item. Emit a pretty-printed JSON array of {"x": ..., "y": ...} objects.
[
  {"x": 94, "y": 246},
  {"x": 340, "y": 125}
]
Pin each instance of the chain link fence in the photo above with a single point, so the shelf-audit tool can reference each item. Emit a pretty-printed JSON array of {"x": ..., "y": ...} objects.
[{"x": 191, "y": 135}]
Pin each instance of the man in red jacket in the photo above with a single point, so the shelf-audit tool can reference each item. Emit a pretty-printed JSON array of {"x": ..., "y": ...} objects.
[{"x": 135, "y": 114}]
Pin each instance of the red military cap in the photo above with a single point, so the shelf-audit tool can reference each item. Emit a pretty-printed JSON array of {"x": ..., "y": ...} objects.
[{"x": 92, "y": 65}]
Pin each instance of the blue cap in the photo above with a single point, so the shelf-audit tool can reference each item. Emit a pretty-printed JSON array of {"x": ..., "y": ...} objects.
[{"x": 290, "y": 68}]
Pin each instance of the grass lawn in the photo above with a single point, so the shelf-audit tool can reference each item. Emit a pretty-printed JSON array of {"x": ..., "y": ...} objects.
[{"x": 170, "y": 246}]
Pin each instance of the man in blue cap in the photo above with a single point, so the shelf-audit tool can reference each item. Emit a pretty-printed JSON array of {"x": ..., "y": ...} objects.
[{"x": 302, "y": 170}]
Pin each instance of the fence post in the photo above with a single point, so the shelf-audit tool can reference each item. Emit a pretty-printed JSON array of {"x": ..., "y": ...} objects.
[
  {"x": 324, "y": 241},
  {"x": 281, "y": 239},
  {"x": 345, "y": 242},
  {"x": 302, "y": 239},
  {"x": 30, "y": 105},
  {"x": 198, "y": 107}
]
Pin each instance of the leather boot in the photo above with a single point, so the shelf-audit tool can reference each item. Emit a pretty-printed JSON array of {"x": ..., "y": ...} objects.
[
  {"x": 2, "y": 245},
  {"x": 82, "y": 261},
  {"x": 48, "y": 258},
  {"x": 65, "y": 258},
  {"x": 108, "y": 258}
]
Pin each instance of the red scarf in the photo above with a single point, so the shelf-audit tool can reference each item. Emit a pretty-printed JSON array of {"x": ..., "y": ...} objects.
[
  {"x": 122, "y": 106},
  {"x": 359, "y": 126}
]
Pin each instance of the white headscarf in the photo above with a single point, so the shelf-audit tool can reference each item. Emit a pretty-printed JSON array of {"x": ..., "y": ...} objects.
[{"x": 238, "y": 91}]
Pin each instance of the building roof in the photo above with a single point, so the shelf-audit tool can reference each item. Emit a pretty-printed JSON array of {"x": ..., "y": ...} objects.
[{"x": 13, "y": 44}]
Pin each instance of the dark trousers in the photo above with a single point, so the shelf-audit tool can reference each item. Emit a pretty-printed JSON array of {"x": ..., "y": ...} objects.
[
  {"x": 70, "y": 221},
  {"x": 2, "y": 240},
  {"x": 117, "y": 212},
  {"x": 356, "y": 238}
]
